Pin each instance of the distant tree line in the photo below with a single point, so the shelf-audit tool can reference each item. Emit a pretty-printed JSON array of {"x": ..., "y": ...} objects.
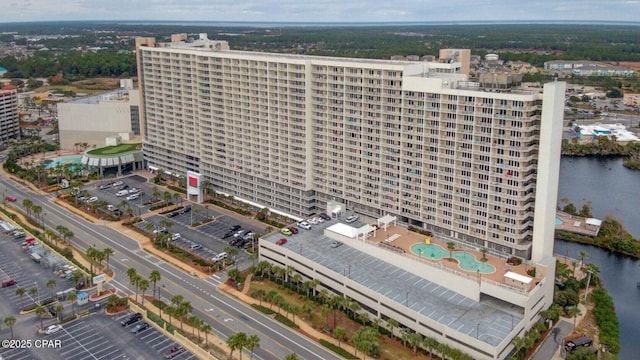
[{"x": 73, "y": 65}]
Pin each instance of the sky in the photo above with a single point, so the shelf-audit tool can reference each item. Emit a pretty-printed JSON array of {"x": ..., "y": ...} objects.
[{"x": 321, "y": 10}]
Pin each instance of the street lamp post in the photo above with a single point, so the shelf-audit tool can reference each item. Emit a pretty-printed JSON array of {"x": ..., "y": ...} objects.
[
  {"x": 478, "y": 331},
  {"x": 586, "y": 290},
  {"x": 37, "y": 292}
]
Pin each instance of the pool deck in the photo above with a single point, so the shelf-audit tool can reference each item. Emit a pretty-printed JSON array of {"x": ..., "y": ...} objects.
[
  {"x": 403, "y": 239},
  {"x": 576, "y": 224}
]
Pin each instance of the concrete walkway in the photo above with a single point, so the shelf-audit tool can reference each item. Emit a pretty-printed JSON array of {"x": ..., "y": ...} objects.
[{"x": 551, "y": 348}]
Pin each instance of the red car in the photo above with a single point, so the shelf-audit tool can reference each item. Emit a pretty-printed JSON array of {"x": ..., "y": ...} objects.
[
  {"x": 10, "y": 198},
  {"x": 293, "y": 230},
  {"x": 281, "y": 242}
]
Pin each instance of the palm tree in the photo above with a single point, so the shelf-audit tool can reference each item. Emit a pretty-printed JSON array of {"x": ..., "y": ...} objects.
[
  {"x": 236, "y": 342},
  {"x": 41, "y": 310},
  {"x": 259, "y": 294},
  {"x": 135, "y": 281},
  {"x": 451, "y": 246},
  {"x": 148, "y": 227},
  {"x": 107, "y": 253},
  {"x": 28, "y": 204},
  {"x": 166, "y": 196},
  {"x": 205, "y": 188},
  {"x": 296, "y": 279},
  {"x": 519, "y": 343},
  {"x": 59, "y": 310},
  {"x": 33, "y": 292},
  {"x": 430, "y": 344},
  {"x": 193, "y": 321},
  {"x": 339, "y": 333},
  {"x": 37, "y": 210},
  {"x": 20, "y": 292},
  {"x": 574, "y": 312},
  {"x": 143, "y": 284},
  {"x": 155, "y": 193},
  {"x": 169, "y": 310},
  {"x": 10, "y": 321},
  {"x": 414, "y": 339},
  {"x": 51, "y": 284},
  {"x": 206, "y": 328},
  {"x": 131, "y": 273},
  {"x": 291, "y": 357},
  {"x": 392, "y": 324},
  {"x": 154, "y": 277},
  {"x": 253, "y": 341},
  {"x": 177, "y": 197}
]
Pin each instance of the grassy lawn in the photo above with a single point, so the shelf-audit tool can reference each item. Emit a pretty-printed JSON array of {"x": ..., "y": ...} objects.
[
  {"x": 389, "y": 348},
  {"x": 117, "y": 149}
]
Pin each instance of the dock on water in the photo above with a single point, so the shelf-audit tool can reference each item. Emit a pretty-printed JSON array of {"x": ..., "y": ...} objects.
[{"x": 577, "y": 224}]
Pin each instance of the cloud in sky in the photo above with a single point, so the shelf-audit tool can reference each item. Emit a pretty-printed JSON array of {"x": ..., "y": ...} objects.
[{"x": 321, "y": 10}]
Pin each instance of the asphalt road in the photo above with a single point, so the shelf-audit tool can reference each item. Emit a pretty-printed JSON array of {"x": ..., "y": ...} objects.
[{"x": 225, "y": 314}]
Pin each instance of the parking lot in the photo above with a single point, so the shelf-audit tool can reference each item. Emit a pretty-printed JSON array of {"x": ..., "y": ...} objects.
[
  {"x": 17, "y": 263},
  {"x": 205, "y": 240},
  {"x": 100, "y": 336}
]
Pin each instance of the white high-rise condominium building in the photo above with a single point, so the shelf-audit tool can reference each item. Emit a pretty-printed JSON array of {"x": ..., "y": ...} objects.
[
  {"x": 416, "y": 140},
  {"x": 8, "y": 114}
]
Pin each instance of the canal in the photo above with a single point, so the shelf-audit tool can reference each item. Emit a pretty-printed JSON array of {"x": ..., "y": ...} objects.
[{"x": 612, "y": 190}]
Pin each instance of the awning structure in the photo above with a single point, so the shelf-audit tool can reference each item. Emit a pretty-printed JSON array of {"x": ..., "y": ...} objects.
[{"x": 386, "y": 220}]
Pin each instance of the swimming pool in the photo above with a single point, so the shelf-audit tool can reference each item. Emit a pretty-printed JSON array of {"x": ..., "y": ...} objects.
[
  {"x": 558, "y": 221},
  {"x": 466, "y": 260},
  {"x": 61, "y": 160}
]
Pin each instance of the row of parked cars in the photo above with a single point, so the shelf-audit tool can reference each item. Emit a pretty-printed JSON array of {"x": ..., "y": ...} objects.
[
  {"x": 305, "y": 224},
  {"x": 239, "y": 238}
]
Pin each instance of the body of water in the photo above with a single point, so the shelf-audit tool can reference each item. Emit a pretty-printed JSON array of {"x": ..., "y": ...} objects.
[{"x": 612, "y": 190}]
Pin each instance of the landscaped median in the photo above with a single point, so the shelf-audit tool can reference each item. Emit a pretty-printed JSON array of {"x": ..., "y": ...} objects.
[{"x": 309, "y": 331}]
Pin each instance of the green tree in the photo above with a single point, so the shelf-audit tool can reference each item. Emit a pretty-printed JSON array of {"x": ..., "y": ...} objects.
[
  {"x": 206, "y": 329},
  {"x": 10, "y": 321},
  {"x": 107, "y": 253},
  {"x": 451, "y": 246},
  {"x": 40, "y": 311},
  {"x": 339, "y": 333},
  {"x": 51, "y": 284},
  {"x": 20, "y": 292},
  {"x": 154, "y": 277},
  {"x": 59, "y": 310},
  {"x": 253, "y": 341},
  {"x": 236, "y": 342},
  {"x": 573, "y": 312}
]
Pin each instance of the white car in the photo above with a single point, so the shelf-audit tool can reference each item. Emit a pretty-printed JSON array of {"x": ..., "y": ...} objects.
[
  {"x": 351, "y": 219},
  {"x": 313, "y": 221},
  {"x": 92, "y": 199},
  {"x": 117, "y": 183},
  {"x": 132, "y": 197},
  {"x": 53, "y": 329},
  {"x": 176, "y": 236},
  {"x": 305, "y": 225}
]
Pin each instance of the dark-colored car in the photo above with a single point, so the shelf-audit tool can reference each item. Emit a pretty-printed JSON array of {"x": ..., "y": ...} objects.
[
  {"x": 325, "y": 217},
  {"x": 235, "y": 228},
  {"x": 293, "y": 230},
  {"x": 281, "y": 241},
  {"x": 228, "y": 234},
  {"x": 140, "y": 327},
  {"x": 234, "y": 241},
  {"x": 185, "y": 210},
  {"x": 131, "y": 319},
  {"x": 10, "y": 198},
  {"x": 173, "y": 214},
  {"x": 173, "y": 352},
  {"x": 8, "y": 282}
]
